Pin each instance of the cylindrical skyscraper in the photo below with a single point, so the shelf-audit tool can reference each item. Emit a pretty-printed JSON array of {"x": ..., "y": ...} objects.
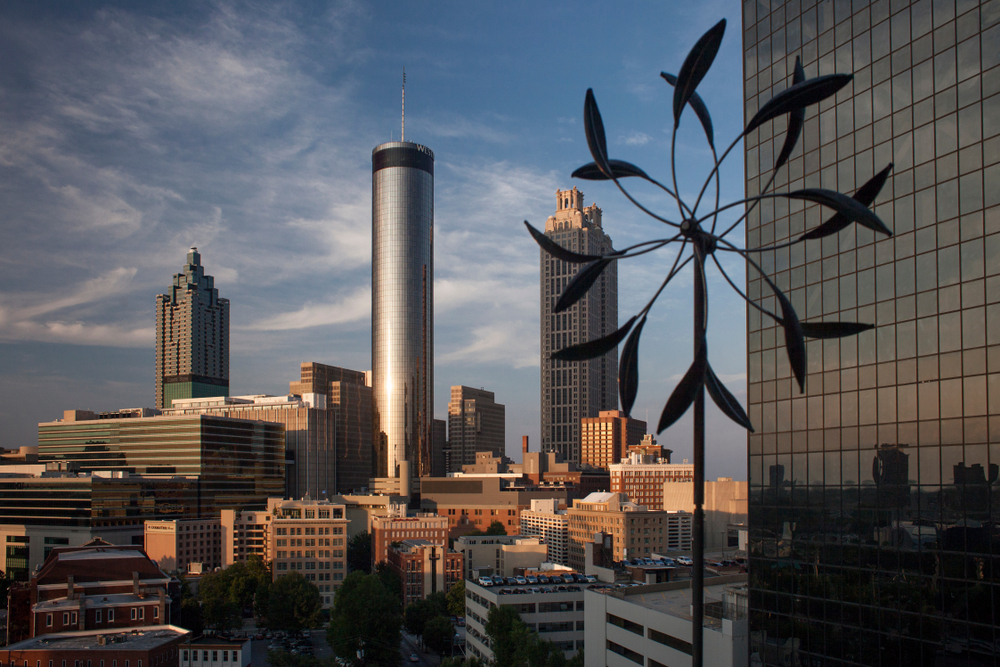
[{"x": 402, "y": 306}]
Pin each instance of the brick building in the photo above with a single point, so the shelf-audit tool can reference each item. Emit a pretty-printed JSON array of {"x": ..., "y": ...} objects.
[
  {"x": 94, "y": 587},
  {"x": 641, "y": 477},
  {"x": 389, "y": 529},
  {"x": 156, "y": 645},
  {"x": 606, "y": 438},
  {"x": 178, "y": 543},
  {"x": 424, "y": 568}
]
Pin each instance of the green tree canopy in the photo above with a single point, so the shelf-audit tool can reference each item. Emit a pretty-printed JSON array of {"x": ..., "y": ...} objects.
[
  {"x": 456, "y": 598},
  {"x": 359, "y": 553},
  {"x": 366, "y": 614},
  {"x": 496, "y": 528},
  {"x": 225, "y": 595},
  {"x": 418, "y": 613},
  {"x": 438, "y": 633},
  {"x": 294, "y": 604},
  {"x": 390, "y": 580},
  {"x": 514, "y": 645}
]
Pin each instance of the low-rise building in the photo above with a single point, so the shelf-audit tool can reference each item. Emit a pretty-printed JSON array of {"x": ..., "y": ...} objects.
[
  {"x": 150, "y": 645},
  {"x": 651, "y": 625},
  {"x": 554, "y": 611},
  {"x": 176, "y": 544},
  {"x": 93, "y": 587},
  {"x": 214, "y": 652},
  {"x": 641, "y": 477},
  {"x": 634, "y": 529},
  {"x": 390, "y": 529},
  {"x": 424, "y": 568},
  {"x": 501, "y": 553},
  {"x": 551, "y": 524}
]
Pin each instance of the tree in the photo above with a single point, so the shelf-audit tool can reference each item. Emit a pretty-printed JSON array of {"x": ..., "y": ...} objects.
[
  {"x": 286, "y": 659},
  {"x": 501, "y": 626},
  {"x": 4, "y": 589},
  {"x": 496, "y": 528},
  {"x": 359, "y": 553},
  {"x": 218, "y": 609},
  {"x": 389, "y": 579},
  {"x": 459, "y": 662},
  {"x": 366, "y": 616},
  {"x": 294, "y": 604},
  {"x": 226, "y": 595},
  {"x": 456, "y": 598},
  {"x": 438, "y": 633}
]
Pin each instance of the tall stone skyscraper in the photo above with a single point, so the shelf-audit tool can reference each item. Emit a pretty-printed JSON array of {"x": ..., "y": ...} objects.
[
  {"x": 476, "y": 423},
  {"x": 192, "y": 337},
  {"x": 402, "y": 307},
  {"x": 873, "y": 496},
  {"x": 574, "y": 390}
]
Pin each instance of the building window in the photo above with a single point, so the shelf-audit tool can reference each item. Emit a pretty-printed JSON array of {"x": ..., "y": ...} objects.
[
  {"x": 48, "y": 620},
  {"x": 65, "y": 618},
  {"x": 133, "y": 613},
  {"x": 111, "y": 616},
  {"x": 97, "y": 615}
]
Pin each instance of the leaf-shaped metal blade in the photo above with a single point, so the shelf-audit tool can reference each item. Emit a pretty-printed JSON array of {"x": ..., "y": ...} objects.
[
  {"x": 725, "y": 400},
  {"x": 852, "y": 209},
  {"x": 795, "y": 344},
  {"x": 833, "y": 329},
  {"x": 628, "y": 369},
  {"x": 698, "y": 107},
  {"x": 799, "y": 96},
  {"x": 593, "y": 348},
  {"x": 795, "y": 120},
  {"x": 685, "y": 391},
  {"x": 696, "y": 66},
  {"x": 556, "y": 250},
  {"x": 619, "y": 169},
  {"x": 580, "y": 283},
  {"x": 865, "y": 195},
  {"x": 593, "y": 126}
]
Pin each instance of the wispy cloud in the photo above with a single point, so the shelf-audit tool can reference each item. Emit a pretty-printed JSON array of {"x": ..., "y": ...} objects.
[
  {"x": 635, "y": 138},
  {"x": 352, "y": 308}
]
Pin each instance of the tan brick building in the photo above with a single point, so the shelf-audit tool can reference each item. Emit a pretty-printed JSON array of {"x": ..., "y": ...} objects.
[
  {"x": 178, "y": 543},
  {"x": 606, "y": 438},
  {"x": 641, "y": 478},
  {"x": 635, "y": 531},
  {"x": 424, "y": 568}
]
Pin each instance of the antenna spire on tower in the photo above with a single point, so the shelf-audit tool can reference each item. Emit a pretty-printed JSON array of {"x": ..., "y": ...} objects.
[{"x": 402, "y": 134}]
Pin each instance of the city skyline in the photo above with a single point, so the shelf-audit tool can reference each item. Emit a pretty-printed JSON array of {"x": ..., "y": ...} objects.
[{"x": 248, "y": 134}]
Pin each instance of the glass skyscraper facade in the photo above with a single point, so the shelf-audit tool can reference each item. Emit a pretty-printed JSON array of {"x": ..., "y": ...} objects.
[
  {"x": 402, "y": 307},
  {"x": 873, "y": 496}
]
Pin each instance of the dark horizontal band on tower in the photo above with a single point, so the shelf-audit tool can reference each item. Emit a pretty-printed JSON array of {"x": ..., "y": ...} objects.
[
  {"x": 402, "y": 157},
  {"x": 203, "y": 379}
]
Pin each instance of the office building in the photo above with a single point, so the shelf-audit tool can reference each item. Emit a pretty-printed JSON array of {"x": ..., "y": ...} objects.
[
  {"x": 424, "y": 568},
  {"x": 215, "y": 652},
  {"x": 879, "y": 475},
  {"x": 642, "y": 477},
  {"x": 634, "y": 529},
  {"x": 606, "y": 438},
  {"x": 192, "y": 337},
  {"x": 176, "y": 544},
  {"x": 310, "y": 433},
  {"x": 348, "y": 394},
  {"x": 501, "y": 554},
  {"x": 556, "y": 615},
  {"x": 545, "y": 520},
  {"x": 95, "y": 586},
  {"x": 389, "y": 529},
  {"x": 237, "y": 462},
  {"x": 725, "y": 508},
  {"x": 440, "y": 451},
  {"x": 402, "y": 307},
  {"x": 476, "y": 423},
  {"x": 651, "y": 625},
  {"x": 575, "y": 390}
]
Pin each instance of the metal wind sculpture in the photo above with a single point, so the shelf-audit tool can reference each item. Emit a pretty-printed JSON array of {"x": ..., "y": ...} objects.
[{"x": 698, "y": 232}]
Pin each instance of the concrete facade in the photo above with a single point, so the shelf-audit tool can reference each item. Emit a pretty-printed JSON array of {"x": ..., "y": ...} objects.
[
  {"x": 176, "y": 544},
  {"x": 725, "y": 505},
  {"x": 651, "y": 625},
  {"x": 545, "y": 520},
  {"x": 502, "y": 553},
  {"x": 571, "y": 391}
]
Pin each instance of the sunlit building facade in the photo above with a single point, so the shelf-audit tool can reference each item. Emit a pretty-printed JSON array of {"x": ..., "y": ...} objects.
[
  {"x": 873, "y": 501},
  {"x": 573, "y": 390},
  {"x": 402, "y": 307}
]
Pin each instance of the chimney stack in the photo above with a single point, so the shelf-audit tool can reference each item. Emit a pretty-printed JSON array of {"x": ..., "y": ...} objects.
[{"x": 524, "y": 444}]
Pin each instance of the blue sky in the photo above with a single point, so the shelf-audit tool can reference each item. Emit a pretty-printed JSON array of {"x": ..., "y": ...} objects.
[{"x": 132, "y": 131}]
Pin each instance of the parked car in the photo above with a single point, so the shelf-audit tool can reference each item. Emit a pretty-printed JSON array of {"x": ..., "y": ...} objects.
[
  {"x": 413, "y": 657},
  {"x": 521, "y": 580},
  {"x": 543, "y": 579},
  {"x": 591, "y": 579},
  {"x": 532, "y": 579},
  {"x": 485, "y": 581},
  {"x": 497, "y": 580},
  {"x": 684, "y": 560}
]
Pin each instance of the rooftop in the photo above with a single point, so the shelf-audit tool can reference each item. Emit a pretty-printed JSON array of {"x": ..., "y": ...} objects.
[
  {"x": 145, "y": 639},
  {"x": 674, "y": 598}
]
